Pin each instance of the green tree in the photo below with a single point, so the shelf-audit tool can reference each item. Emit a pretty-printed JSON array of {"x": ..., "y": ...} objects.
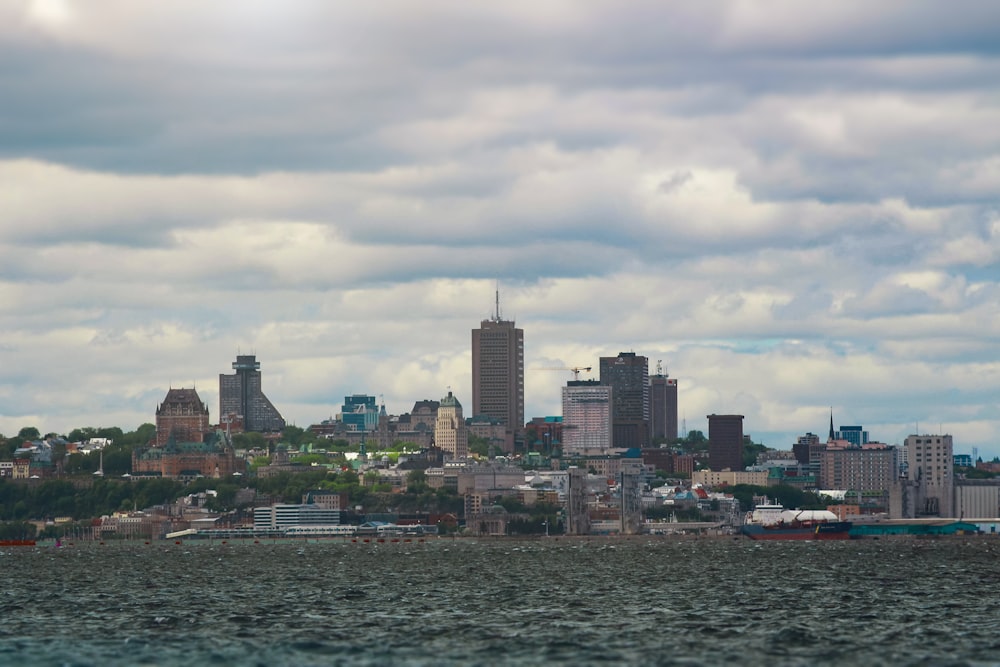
[
  {"x": 479, "y": 446},
  {"x": 28, "y": 433}
]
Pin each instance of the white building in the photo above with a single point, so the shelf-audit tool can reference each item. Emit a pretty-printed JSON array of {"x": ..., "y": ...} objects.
[{"x": 586, "y": 408}]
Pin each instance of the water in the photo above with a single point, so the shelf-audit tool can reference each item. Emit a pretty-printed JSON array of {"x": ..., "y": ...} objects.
[{"x": 649, "y": 601}]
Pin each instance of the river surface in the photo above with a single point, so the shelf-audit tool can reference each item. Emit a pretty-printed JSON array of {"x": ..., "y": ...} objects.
[{"x": 555, "y": 601}]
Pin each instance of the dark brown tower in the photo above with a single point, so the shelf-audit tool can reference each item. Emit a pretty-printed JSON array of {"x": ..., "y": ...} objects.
[{"x": 725, "y": 442}]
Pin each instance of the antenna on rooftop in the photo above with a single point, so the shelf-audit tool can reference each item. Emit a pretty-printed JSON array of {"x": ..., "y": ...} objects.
[{"x": 496, "y": 314}]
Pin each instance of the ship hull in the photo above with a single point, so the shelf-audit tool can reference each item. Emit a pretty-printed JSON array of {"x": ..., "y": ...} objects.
[{"x": 837, "y": 530}]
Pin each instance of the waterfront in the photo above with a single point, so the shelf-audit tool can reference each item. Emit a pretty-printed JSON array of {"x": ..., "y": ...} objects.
[{"x": 555, "y": 601}]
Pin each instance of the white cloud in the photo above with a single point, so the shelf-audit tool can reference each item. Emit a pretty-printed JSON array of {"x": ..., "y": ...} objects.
[{"x": 791, "y": 214}]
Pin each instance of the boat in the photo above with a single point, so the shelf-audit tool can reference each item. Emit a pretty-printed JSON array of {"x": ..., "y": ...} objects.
[{"x": 774, "y": 522}]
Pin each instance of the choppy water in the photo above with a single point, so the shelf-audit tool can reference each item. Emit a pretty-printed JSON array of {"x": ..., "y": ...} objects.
[{"x": 648, "y": 601}]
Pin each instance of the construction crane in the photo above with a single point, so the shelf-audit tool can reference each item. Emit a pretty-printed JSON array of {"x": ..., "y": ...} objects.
[{"x": 574, "y": 369}]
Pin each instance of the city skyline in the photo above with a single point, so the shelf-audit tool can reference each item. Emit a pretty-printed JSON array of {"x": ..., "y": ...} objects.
[{"x": 791, "y": 214}]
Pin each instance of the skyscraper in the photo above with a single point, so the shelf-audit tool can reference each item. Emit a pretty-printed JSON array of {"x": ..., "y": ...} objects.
[
  {"x": 586, "y": 406},
  {"x": 498, "y": 373},
  {"x": 662, "y": 406},
  {"x": 725, "y": 442},
  {"x": 241, "y": 399},
  {"x": 628, "y": 377}
]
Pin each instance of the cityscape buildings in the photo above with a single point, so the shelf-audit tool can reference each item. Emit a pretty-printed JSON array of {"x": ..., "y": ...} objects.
[
  {"x": 498, "y": 374},
  {"x": 242, "y": 403},
  {"x": 185, "y": 446},
  {"x": 628, "y": 376}
]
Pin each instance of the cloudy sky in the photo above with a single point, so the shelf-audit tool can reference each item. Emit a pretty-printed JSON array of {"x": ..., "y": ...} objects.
[{"x": 792, "y": 205}]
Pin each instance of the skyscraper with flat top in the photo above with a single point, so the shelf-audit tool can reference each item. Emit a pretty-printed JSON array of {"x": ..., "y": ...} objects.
[
  {"x": 662, "y": 406},
  {"x": 725, "y": 442},
  {"x": 241, "y": 399},
  {"x": 498, "y": 373},
  {"x": 628, "y": 377}
]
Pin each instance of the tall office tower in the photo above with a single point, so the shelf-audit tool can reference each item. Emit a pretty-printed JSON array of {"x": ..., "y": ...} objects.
[
  {"x": 182, "y": 416},
  {"x": 662, "y": 406},
  {"x": 586, "y": 408},
  {"x": 498, "y": 373},
  {"x": 931, "y": 467},
  {"x": 359, "y": 413},
  {"x": 450, "y": 433},
  {"x": 725, "y": 442},
  {"x": 628, "y": 377},
  {"x": 242, "y": 400}
]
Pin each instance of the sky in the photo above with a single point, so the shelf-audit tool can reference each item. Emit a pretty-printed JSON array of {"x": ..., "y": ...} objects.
[{"x": 792, "y": 206}]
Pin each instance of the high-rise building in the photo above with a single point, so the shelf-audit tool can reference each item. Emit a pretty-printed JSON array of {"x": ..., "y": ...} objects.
[
  {"x": 498, "y": 373},
  {"x": 930, "y": 467},
  {"x": 586, "y": 425},
  {"x": 241, "y": 399},
  {"x": 662, "y": 406},
  {"x": 181, "y": 417},
  {"x": 725, "y": 442},
  {"x": 450, "y": 431},
  {"x": 628, "y": 377}
]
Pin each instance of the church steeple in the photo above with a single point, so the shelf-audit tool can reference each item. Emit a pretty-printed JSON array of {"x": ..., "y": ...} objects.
[{"x": 832, "y": 432}]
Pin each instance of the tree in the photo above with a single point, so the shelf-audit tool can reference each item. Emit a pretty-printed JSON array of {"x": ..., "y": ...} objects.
[
  {"x": 29, "y": 433},
  {"x": 249, "y": 440}
]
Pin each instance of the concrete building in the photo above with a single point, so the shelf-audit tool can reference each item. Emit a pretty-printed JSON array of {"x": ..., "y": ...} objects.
[
  {"x": 977, "y": 499},
  {"x": 630, "y": 489},
  {"x": 498, "y": 374},
  {"x": 628, "y": 376},
  {"x": 242, "y": 403},
  {"x": 587, "y": 407},
  {"x": 181, "y": 417},
  {"x": 931, "y": 467},
  {"x": 577, "y": 516},
  {"x": 725, "y": 442},
  {"x": 662, "y": 406},
  {"x": 450, "y": 433}
]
